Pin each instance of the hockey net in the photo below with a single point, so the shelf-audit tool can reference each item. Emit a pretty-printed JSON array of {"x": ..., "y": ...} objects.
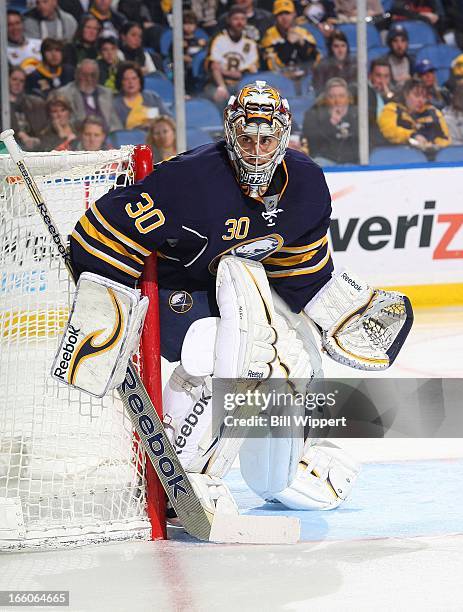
[{"x": 71, "y": 470}]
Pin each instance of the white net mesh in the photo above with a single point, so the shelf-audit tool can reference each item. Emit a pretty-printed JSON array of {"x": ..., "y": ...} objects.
[{"x": 70, "y": 470}]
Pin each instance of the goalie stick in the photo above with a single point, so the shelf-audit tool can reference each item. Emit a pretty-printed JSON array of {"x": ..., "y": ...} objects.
[{"x": 148, "y": 425}]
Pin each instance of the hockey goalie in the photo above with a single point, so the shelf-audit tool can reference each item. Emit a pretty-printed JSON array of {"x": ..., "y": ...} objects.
[{"x": 245, "y": 276}]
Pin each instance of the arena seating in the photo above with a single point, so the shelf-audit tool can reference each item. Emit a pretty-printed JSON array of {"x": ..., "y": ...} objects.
[
  {"x": 450, "y": 154},
  {"x": 160, "y": 84},
  {"x": 350, "y": 30},
  {"x": 420, "y": 34},
  {"x": 396, "y": 155},
  {"x": 127, "y": 137}
]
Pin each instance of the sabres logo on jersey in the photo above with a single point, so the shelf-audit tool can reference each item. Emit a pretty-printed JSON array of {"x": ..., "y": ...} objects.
[
  {"x": 255, "y": 248},
  {"x": 180, "y": 302}
]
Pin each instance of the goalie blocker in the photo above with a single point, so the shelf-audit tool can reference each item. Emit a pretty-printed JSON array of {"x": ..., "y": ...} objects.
[{"x": 102, "y": 333}]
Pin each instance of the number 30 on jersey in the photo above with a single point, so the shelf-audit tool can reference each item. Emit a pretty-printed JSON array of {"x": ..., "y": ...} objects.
[
  {"x": 143, "y": 212},
  {"x": 237, "y": 229}
]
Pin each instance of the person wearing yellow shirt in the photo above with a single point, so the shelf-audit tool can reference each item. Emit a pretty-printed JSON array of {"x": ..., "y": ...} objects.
[
  {"x": 135, "y": 107},
  {"x": 288, "y": 48},
  {"x": 410, "y": 119}
]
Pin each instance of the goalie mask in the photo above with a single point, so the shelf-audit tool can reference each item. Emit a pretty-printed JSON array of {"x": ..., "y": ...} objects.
[{"x": 257, "y": 125}]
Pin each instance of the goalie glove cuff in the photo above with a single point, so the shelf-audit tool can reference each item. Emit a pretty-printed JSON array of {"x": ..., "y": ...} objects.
[{"x": 340, "y": 298}]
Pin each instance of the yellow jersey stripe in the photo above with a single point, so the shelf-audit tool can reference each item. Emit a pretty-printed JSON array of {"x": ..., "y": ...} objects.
[
  {"x": 305, "y": 248},
  {"x": 299, "y": 271},
  {"x": 110, "y": 260},
  {"x": 128, "y": 241},
  {"x": 293, "y": 260},
  {"x": 286, "y": 180},
  {"x": 114, "y": 246}
]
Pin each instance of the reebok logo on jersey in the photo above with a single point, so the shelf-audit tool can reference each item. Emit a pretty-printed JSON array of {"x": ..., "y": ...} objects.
[
  {"x": 191, "y": 420},
  {"x": 67, "y": 351}
]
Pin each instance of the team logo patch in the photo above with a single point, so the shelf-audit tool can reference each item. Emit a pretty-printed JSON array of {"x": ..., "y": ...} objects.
[
  {"x": 180, "y": 302},
  {"x": 255, "y": 248}
]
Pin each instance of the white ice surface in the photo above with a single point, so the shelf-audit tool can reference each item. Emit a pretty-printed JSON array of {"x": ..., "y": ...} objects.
[{"x": 396, "y": 573}]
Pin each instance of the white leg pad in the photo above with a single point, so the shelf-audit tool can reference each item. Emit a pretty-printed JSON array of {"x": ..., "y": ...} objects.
[{"x": 269, "y": 465}]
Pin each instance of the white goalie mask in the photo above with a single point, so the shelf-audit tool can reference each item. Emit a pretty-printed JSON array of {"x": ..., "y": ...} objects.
[{"x": 257, "y": 125}]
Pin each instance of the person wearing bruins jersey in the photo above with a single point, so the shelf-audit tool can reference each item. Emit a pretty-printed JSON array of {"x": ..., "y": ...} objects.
[
  {"x": 240, "y": 229},
  {"x": 22, "y": 52},
  {"x": 288, "y": 48},
  {"x": 232, "y": 54}
]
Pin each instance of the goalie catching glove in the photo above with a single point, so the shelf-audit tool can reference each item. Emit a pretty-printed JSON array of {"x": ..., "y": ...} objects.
[
  {"x": 102, "y": 333},
  {"x": 362, "y": 327}
]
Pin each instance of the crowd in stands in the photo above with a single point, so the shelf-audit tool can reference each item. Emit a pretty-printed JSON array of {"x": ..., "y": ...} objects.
[{"x": 89, "y": 74}]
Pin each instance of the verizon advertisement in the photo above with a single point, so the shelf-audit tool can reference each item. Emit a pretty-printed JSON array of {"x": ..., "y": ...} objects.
[{"x": 399, "y": 227}]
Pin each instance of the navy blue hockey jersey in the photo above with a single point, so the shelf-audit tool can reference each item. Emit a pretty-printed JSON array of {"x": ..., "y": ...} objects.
[{"x": 191, "y": 210}]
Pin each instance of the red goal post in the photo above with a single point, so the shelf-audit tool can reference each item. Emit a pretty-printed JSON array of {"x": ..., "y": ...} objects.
[{"x": 150, "y": 358}]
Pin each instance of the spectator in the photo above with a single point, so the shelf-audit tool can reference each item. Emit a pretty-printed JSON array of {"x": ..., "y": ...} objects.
[
  {"x": 423, "y": 10},
  {"x": 402, "y": 64},
  {"x": 132, "y": 47},
  {"x": 59, "y": 134},
  {"x": 411, "y": 120},
  {"x": 231, "y": 55},
  {"x": 162, "y": 138},
  {"x": 453, "y": 115},
  {"x": 108, "y": 61},
  {"x": 258, "y": 19},
  {"x": 51, "y": 73},
  {"x": 379, "y": 93},
  {"x": 86, "y": 97},
  {"x": 435, "y": 95},
  {"x": 28, "y": 116},
  {"x": 111, "y": 21},
  {"x": 456, "y": 73},
  {"x": 141, "y": 12},
  {"x": 85, "y": 42},
  {"x": 339, "y": 63},
  {"x": 331, "y": 126},
  {"x": 46, "y": 20},
  {"x": 346, "y": 10},
  {"x": 22, "y": 52},
  {"x": 134, "y": 106},
  {"x": 92, "y": 136},
  {"x": 206, "y": 12},
  {"x": 288, "y": 48},
  {"x": 194, "y": 41},
  {"x": 136, "y": 10}
]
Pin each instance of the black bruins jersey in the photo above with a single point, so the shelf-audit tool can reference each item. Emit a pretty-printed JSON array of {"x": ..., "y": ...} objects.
[{"x": 191, "y": 211}]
